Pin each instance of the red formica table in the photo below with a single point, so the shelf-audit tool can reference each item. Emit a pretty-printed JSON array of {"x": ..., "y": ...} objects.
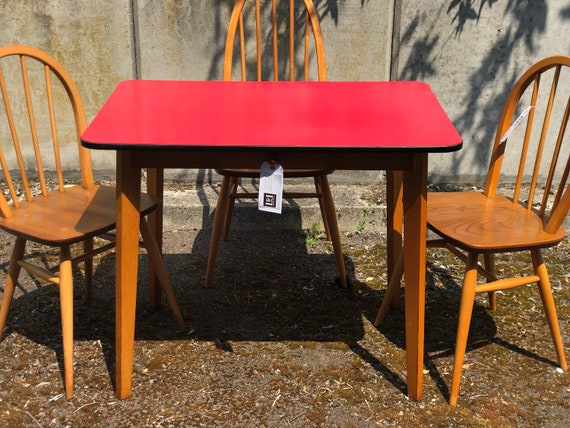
[{"x": 388, "y": 126}]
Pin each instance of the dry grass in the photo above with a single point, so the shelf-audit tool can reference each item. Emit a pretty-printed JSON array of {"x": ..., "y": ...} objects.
[{"x": 277, "y": 343}]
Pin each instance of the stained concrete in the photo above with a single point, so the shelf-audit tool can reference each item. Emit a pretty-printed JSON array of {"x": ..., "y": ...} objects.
[{"x": 358, "y": 208}]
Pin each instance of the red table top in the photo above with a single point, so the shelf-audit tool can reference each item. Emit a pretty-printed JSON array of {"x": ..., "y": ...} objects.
[{"x": 186, "y": 115}]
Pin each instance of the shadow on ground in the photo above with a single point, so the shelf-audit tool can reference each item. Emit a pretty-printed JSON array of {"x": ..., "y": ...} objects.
[{"x": 277, "y": 342}]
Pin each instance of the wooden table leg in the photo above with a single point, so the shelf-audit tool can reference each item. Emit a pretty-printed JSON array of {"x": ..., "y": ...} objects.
[
  {"x": 128, "y": 218},
  {"x": 155, "y": 187},
  {"x": 394, "y": 220},
  {"x": 330, "y": 211},
  {"x": 415, "y": 196}
]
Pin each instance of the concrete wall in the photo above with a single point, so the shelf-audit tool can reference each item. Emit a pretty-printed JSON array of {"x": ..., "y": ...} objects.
[
  {"x": 185, "y": 40},
  {"x": 469, "y": 51}
]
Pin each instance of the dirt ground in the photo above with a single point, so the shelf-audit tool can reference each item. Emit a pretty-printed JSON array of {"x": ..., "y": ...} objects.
[{"x": 276, "y": 342}]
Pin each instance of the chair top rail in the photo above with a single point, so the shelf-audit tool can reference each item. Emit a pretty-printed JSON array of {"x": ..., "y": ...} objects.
[
  {"x": 45, "y": 93},
  {"x": 309, "y": 19},
  {"x": 543, "y": 163}
]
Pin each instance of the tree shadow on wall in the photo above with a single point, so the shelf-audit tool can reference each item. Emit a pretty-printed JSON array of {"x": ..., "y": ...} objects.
[{"x": 527, "y": 21}]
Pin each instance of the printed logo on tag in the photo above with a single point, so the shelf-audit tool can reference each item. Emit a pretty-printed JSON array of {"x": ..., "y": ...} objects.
[{"x": 269, "y": 200}]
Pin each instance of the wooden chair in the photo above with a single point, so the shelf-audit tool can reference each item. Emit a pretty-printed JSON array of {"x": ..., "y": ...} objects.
[
  {"x": 267, "y": 48},
  {"x": 531, "y": 129},
  {"x": 39, "y": 205}
]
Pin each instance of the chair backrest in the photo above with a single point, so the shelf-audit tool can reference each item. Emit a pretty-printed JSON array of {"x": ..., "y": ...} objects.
[
  {"x": 41, "y": 121},
  {"x": 282, "y": 38},
  {"x": 532, "y": 129}
]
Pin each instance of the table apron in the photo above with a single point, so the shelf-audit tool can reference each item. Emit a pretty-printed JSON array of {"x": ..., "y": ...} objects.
[{"x": 362, "y": 160}]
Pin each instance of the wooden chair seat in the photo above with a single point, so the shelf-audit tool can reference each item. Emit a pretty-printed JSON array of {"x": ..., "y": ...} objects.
[
  {"x": 474, "y": 222},
  {"x": 65, "y": 218}
]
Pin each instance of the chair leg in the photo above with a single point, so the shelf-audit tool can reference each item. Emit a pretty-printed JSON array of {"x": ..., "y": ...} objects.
[
  {"x": 219, "y": 217},
  {"x": 229, "y": 207},
  {"x": 88, "y": 267},
  {"x": 393, "y": 289},
  {"x": 490, "y": 266},
  {"x": 549, "y": 307},
  {"x": 11, "y": 281},
  {"x": 155, "y": 186},
  {"x": 66, "y": 308},
  {"x": 319, "y": 191},
  {"x": 465, "y": 312},
  {"x": 160, "y": 271},
  {"x": 330, "y": 212}
]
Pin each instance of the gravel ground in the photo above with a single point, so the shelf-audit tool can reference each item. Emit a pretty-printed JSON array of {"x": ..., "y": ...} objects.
[{"x": 276, "y": 342}]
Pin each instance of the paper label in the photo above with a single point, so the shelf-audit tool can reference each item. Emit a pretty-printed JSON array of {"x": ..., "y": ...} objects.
[
  {"x": 270, "y": 188},
  {"x": 515, "y": 124}
]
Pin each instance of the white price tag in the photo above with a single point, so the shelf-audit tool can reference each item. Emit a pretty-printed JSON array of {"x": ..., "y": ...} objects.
[
  {"x": 270, "y": 188},
  {"x": 515, "y": 124}
]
